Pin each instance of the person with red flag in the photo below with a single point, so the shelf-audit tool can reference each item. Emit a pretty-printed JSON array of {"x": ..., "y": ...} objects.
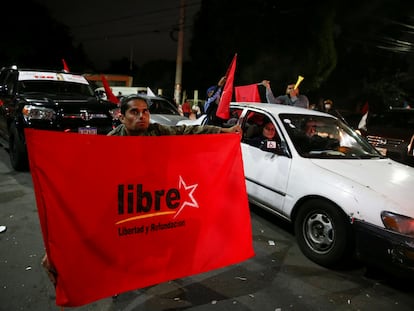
[
  {"x": 212, "y": 101},
  {"x": 135, "y": 118},
  {"x": 223, "y": 109}
]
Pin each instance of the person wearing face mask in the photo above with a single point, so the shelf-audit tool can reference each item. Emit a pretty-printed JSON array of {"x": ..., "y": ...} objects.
[{"x": 327, "y": 106}]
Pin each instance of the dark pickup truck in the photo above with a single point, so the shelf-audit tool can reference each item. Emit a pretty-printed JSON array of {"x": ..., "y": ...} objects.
[{"x": 49, "y": 100}]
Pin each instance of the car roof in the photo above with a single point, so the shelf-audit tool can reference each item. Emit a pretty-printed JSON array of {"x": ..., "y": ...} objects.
[{"x": 278, "y": 109}]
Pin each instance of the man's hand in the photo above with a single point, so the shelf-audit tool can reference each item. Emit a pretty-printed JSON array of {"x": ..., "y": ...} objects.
[
  {"x": 222, "y": 81},
  {"x": 265, "y": 83},
  {"x": 234, "y": 129}
]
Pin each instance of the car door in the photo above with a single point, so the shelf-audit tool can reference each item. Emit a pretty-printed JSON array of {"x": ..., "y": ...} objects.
[{"x": 266, "y": 172}]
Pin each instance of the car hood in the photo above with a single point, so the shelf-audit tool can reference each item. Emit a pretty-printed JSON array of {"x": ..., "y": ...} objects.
[
  {"x": 392, "y": 180},
  {"x": 70, "y": 102},
  {"x": 166, "y": 119}
]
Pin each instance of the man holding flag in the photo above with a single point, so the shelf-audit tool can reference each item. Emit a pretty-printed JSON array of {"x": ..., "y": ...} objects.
[
  {"x": 135, "y": 118},
  {"x": 292, "y": 96},
  {"x": 221, "y": 113},
  {"x": 211, "y": 104}
]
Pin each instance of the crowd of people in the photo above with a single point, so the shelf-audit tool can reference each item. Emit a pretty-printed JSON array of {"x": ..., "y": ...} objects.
[
  {"x": 291, "y": 97},
  {"x": 135, "y": 121}
]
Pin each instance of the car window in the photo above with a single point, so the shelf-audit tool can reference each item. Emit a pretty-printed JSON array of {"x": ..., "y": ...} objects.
[
  {"x": 54, "y": 87},
  {"x": 260, "y": 131},
  {"x": 324, "y": 137},
  {"x": 159, "y": 106}
]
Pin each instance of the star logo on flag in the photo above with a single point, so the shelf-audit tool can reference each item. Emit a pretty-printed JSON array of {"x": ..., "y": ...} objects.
[{"x": 189, "y": 190}]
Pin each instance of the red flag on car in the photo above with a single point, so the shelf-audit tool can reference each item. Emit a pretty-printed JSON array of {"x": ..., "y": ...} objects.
[
  {"x": 108, "y": 231},
  {"x": 109, "y": 94},
  {"x": 247, "y": 93},
  {"x": 223, "y": 109},
  {"x": 65, "y": 66}
]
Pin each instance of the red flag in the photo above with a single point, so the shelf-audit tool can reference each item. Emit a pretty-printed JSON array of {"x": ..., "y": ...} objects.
[
  {"x": 65, "y": 66},
  {"x": 109, "y": 95},
  {"x": 110, "y": 230},
  {"x": 247, "y": 93},
  {"x": 365, "y": 108},
  {"x": 223, "y": 109}
]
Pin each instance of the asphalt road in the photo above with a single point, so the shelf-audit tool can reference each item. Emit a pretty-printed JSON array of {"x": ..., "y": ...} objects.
[{"x": 278, "y": 278}]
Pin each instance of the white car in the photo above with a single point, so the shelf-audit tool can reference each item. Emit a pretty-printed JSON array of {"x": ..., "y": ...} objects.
[{"x": 341, "y": 195}]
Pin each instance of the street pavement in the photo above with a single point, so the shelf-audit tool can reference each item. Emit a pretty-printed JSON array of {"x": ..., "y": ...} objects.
[{"x": 277, "y": 278}]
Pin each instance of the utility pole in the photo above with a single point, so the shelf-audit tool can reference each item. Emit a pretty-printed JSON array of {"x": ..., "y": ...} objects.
[{"x": 180, "y": 49}]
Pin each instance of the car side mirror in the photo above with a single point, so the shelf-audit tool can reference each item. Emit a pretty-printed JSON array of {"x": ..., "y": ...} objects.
[{"x": 283, "y": 149}]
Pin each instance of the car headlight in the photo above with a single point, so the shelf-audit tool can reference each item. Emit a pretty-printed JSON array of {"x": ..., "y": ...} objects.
[
  {"x": 399, "y": 223},
  {"x": 31, "y": 112},
  {"x": 115, "y": 113}
]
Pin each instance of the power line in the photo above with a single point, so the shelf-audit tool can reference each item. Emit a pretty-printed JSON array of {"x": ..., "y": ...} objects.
[{"x": 135, "y": 16}]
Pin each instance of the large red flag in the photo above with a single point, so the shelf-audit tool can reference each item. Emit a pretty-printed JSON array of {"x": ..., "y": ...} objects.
[
  {"x": 223, "y": 109},
  {"x": 109, "y": 94},
  {"x": 247, "y": 93},
  {"x": 119, "y": 225}
]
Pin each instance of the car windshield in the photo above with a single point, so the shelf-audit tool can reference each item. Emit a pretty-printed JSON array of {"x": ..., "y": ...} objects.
[
  {"x": 159, "y": 106},
  {"x": 325, "y": 137},
  {"x": 54, "y": 87}
]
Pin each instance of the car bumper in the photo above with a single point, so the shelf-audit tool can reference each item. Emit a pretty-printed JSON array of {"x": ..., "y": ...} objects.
[{"x": 386, "y": 249}]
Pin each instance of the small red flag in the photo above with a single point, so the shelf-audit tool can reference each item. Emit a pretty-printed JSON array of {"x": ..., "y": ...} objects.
[
  {"x": 65, "y": 66},
  {"x": 109, "y": 95},
  {"x": 247, "y": 93},
  {"x": 223, "y": 109},
  {"x": 365, "y": 108},
  {"x": 109, "y": 231}
]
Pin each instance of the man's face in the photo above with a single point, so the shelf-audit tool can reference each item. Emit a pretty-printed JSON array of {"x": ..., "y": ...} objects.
[
  {"x": 290, "y": 90},
  {"x": 310, "y": 129},
  {"x": 137, "y": 117}
]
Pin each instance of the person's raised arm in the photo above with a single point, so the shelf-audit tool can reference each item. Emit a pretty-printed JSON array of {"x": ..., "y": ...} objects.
[{"x": 234, "y": 129}]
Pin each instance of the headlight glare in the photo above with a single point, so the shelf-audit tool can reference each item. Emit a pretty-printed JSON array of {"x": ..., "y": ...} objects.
[
  {"x": 31, "y": 112},
  {"x": 115, "y": 113}
]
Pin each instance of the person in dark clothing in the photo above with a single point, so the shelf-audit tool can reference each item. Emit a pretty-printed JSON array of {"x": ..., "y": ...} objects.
[
  {"x": 267, "y": 140},
  {"x": 212, "y": 101}
]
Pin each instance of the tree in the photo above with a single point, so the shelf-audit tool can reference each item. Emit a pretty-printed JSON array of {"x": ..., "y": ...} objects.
[{"x": 344, "y": 49}]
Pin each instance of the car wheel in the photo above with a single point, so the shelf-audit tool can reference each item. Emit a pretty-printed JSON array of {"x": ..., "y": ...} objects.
[
  {"x": 323, "y": 233},
  {"x": 17, "y": 150}
]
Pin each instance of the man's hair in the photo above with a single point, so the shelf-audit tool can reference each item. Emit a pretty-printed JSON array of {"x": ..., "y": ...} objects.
[{"x": 125, "y": 101}]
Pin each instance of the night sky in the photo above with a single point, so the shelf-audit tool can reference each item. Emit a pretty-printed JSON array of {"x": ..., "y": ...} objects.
[{"x": 141, "y": 30}]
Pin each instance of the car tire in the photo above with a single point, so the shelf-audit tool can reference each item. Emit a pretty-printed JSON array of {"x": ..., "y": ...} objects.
[
  {"x": 324, "y": 233},
  {"x": 17, "y": 150}
]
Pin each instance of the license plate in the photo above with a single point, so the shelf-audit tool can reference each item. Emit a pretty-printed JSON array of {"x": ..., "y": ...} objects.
[
  {"x": 88, "y": 130},
  {"x": 383, "y": 151}
]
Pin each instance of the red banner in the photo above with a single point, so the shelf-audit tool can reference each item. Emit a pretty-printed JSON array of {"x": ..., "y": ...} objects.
[
  {"x": 122, "y": 213},
  {"x": 247, "y": 93}
]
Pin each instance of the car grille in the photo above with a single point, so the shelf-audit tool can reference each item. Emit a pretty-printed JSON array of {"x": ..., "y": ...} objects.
[
  {"x": 379, "y": 141},
  {"x": 85, "y": 115}
]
